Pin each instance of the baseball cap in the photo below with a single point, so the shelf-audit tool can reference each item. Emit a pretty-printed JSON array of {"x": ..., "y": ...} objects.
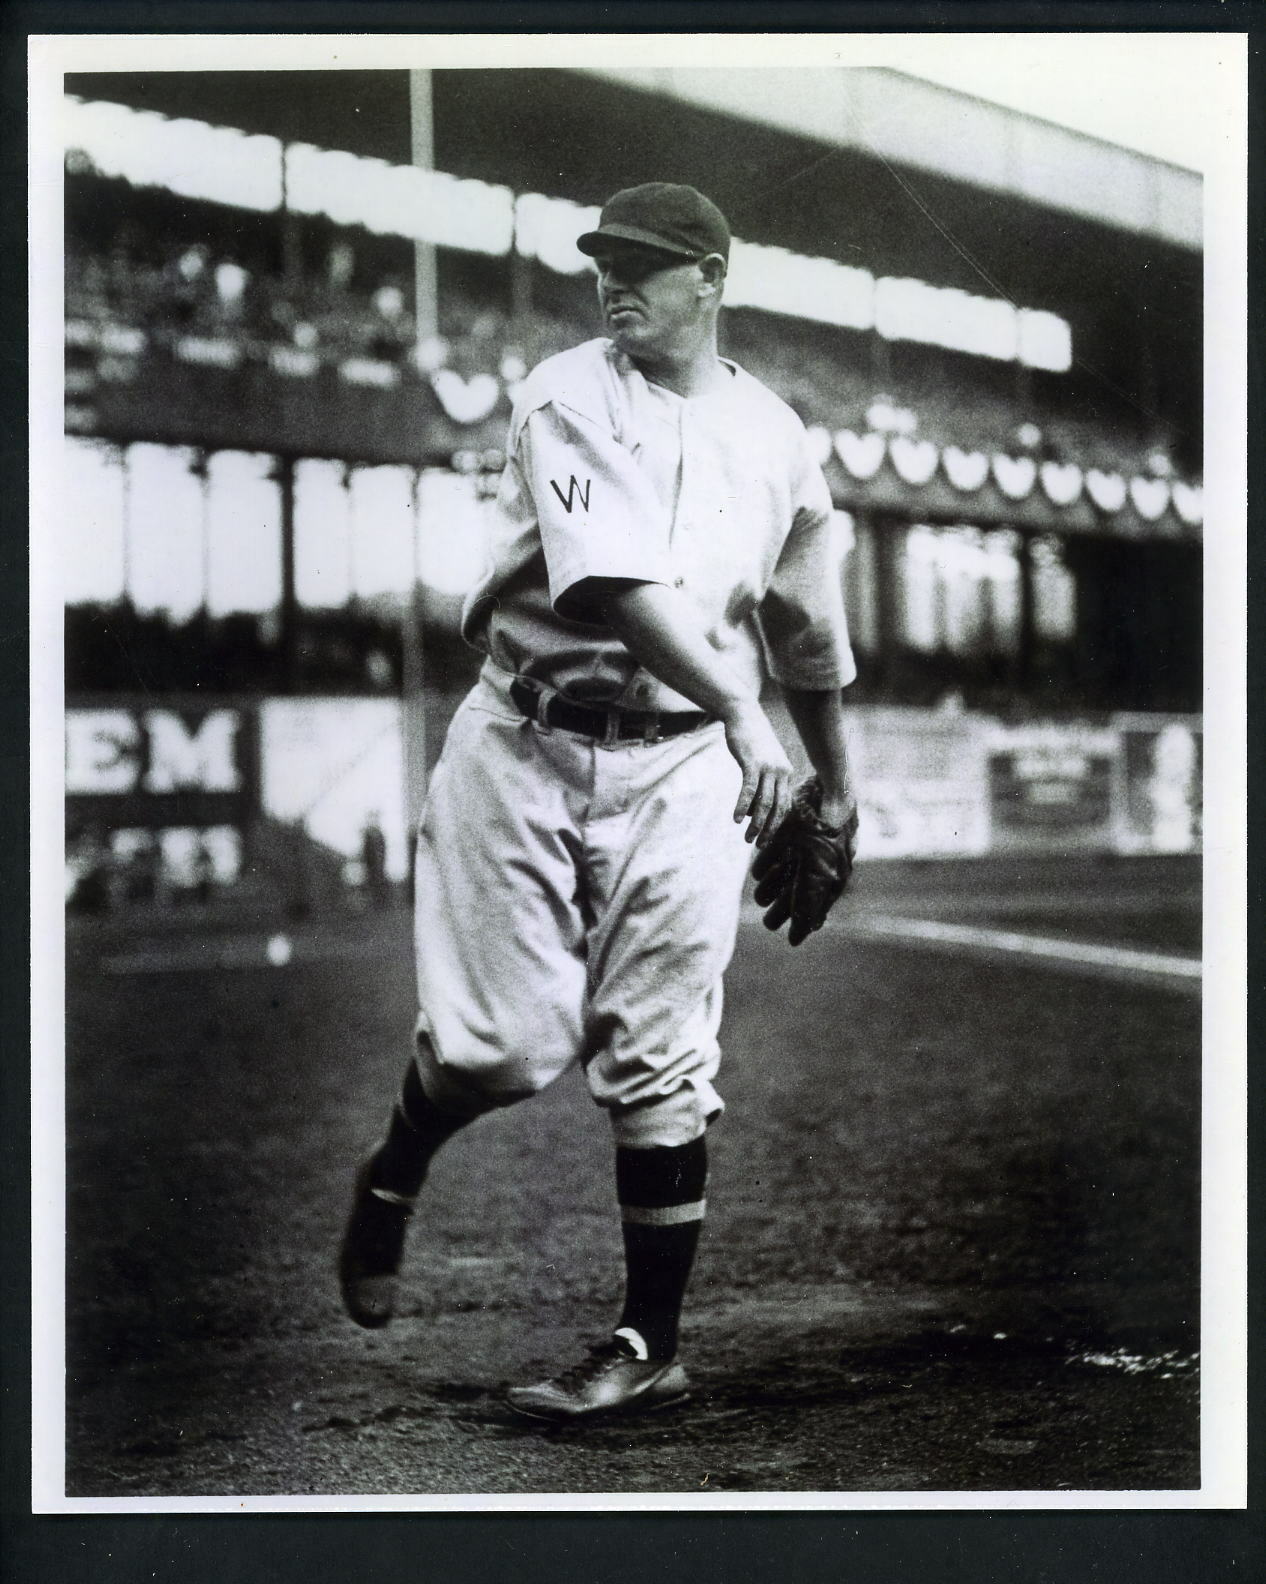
[{"x": 662, "y": 215}]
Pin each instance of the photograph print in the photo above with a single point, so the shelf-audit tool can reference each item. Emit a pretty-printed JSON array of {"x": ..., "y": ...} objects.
[{"x": 634, "y": 776}]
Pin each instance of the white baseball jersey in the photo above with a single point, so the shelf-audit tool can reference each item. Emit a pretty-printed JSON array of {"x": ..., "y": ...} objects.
[{"x": 610, "y": 476}]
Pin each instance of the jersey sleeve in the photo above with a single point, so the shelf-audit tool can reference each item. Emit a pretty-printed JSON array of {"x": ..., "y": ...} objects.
[
  {"x": 597, "y": 512},
  {"x": 802, "y": 618}
]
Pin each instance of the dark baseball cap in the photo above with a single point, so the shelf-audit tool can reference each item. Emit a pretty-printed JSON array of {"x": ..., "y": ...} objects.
[{"x": 662, "y": 215}]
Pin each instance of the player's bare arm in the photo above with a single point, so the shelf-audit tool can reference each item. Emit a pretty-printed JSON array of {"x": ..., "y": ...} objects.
[
  {"x": 657, "y": 625},
  {"x": 819, "y": 719}
]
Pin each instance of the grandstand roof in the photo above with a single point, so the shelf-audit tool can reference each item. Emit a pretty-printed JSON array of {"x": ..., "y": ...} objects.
[{"x": 921, "y": 124}]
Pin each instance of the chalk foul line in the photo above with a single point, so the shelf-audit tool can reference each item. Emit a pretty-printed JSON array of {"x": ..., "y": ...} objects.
[{"x": 1127, "y": 958}]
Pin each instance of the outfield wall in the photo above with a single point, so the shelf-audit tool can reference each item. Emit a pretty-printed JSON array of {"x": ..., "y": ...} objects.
[
  {"x": 949, "y": 783},
  {"x": 196, "y": 791},
  {"x": 937, "y": 785},
  {"x": 280, "y": 791}
]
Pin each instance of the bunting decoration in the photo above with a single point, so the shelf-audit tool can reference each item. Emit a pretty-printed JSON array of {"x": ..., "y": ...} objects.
[
  {"x": 465, "y": 401},
  {"x": 1014, "y": 476},
  {"x": 914, "y": 460},
  {"x": 1188, "y": 502},
  {"x": 966, "y": 470},
  {"x": 862, "y": 455},
  {"x": 1150, "y": 497},
  {"x": 1107, "y": 490},
  {"x": 1061, "y": 482}
]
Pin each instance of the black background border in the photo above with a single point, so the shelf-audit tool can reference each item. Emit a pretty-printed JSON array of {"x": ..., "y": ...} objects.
[{"x": 1105, "y": 1546}]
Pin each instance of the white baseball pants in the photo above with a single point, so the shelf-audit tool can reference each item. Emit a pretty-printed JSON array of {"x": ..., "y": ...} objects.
[{"x": 576, "y": 902}]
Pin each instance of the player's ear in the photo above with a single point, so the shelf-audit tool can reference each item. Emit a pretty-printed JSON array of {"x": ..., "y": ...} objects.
[{"x": 711, "y": 275}]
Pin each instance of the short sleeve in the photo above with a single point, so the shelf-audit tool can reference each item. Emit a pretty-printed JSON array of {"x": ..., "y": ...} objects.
[
  {"x": 597, "y": 512},
  {"x": 802, "y": 616}
]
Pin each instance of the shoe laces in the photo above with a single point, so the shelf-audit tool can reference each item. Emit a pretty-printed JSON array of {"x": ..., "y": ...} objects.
[{"x": 601, "y": 1358}]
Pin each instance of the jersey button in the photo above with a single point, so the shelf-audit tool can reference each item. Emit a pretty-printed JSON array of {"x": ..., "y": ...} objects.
[{"x": 679, "y": 582}]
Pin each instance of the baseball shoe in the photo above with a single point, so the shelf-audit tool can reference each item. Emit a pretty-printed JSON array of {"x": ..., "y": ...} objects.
[
  {"x": 614, "y": 1379},
  {"x": 369, "y": 1258}
]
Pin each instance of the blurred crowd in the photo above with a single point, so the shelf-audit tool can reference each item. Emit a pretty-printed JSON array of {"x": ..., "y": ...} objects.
[
  {"x": 326, "y": 318},
  {"x": 303, "y": 322},
  {"x": 345, "y": 651},
  {"x": 136, "y": 868},
  {"x": 106, "y": 871}
]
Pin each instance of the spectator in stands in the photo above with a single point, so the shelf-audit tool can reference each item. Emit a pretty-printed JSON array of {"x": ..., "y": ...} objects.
[
  {"x": 231, "y": 282},
  {"x": 373, "y": 852},
  {"x": 379, "y": 671},
  {"x": 143, "y": 870},
  {"x": 292, "y": 323},
  {"x": 87, "y": 288},
  {"x": 202, "y": 869},
  {"x": 340, "y": 265},
  {"x": 89, "y": 869},
  {"x": 129, "y": 281},
  {"x": 178, "y": 302},
  {"x": 392, "y": 334}
]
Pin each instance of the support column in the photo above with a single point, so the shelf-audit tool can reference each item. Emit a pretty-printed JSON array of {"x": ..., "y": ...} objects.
[
  {"x": 291, "y": 246},
  {"x": 887, "y": 615},
  {"x": 422, "y": 145},
  {"x": 1026, "y": 655},
  {"x": 200, "y": 468},
  {"x": 284, "y": 473},
  {"x": 125, "y": 469},
  {"x": 426, "y": 322},
  {"x": 413, "y": 686}
]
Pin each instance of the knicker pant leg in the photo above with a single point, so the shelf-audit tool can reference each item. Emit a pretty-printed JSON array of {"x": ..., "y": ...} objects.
[
  {"x": 499, "y": 933},
  {"x": 667, "y": 863}
]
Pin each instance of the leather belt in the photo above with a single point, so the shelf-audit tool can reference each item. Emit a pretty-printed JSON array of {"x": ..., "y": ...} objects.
[{"x": 605, "y": 725}]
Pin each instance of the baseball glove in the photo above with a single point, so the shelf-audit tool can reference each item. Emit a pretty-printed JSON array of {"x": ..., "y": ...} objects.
[{"x": 803, "y": 871}]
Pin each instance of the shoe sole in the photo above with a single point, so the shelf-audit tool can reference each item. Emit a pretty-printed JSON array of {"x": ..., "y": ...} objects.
[
  {"x": 635, "y": 1407},
  {"x": 368, "y": 1320}
]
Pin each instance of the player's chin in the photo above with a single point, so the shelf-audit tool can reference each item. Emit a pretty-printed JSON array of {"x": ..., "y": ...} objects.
[{"x": 629, "y": 332}]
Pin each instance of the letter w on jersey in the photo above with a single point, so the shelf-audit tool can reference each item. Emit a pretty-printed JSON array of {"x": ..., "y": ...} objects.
[{"x": 573, "y": 488}]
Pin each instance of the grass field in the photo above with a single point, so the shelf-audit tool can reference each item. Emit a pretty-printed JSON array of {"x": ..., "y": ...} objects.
[{"x": 952, "y": 1245}]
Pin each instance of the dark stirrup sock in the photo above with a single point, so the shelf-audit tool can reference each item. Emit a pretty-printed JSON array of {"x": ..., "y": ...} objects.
[
  {"x": 662, "y": 1206},
  {"x": 417, "y": 1129}
]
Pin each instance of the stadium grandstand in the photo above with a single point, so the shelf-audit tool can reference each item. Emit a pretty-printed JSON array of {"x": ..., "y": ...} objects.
[{"x": 282, "y": 462}]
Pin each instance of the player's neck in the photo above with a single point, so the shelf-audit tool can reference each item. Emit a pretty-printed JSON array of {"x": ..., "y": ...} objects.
[{"x": 693, "y": 370}]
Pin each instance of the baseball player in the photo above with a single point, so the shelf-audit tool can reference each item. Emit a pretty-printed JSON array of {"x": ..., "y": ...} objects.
[{"x": 662, "y": 530}]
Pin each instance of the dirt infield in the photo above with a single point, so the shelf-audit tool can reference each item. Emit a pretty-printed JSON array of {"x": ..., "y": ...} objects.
[{"x": 953, "y": 1243}]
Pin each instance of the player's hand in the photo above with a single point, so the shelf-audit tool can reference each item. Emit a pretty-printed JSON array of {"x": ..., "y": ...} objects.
[
  {"x": 802, "y": 873},
  {"x": 765, "y": 797}
]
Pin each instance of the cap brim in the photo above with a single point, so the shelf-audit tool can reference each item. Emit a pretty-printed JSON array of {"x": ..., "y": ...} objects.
[{"x": 594, "y": 241}]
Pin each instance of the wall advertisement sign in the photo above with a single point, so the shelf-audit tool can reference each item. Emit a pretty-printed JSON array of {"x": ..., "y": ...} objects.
[
  {"x": 160, "y": 795},
  {"x": 1050, "y": 786},
  {"x": 921, "y": 783},
  {"x": 1159, "y": 803},
  {"x": 335, "y": 765},
  {"x": 187, "y": 796}
]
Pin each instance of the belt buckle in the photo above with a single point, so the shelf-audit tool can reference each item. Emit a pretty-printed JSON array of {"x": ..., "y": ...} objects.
[
  {"x": 542, "y": 697},
  {"x": 611, "y": 732},
  {"x": 655, "y": 730}
]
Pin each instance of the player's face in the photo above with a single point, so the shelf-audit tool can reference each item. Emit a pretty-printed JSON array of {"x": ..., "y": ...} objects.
[{"x": 648, "y": 299}]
